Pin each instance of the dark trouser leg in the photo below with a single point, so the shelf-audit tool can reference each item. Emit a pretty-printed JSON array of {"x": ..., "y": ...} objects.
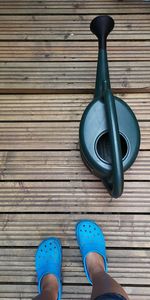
[{"x": 104, "y": 283}]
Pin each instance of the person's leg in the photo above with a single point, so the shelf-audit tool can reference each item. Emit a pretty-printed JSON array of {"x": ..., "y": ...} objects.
[
  {"x": 102, "y": 282},
  {"x": 91, "y": 241},
  {"x": 49, "y": 288}
]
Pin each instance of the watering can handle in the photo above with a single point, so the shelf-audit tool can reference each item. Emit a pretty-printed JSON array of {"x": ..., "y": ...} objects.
[
  {"x": 115, "y": 183},
  {"x": 101, "y": 26}
]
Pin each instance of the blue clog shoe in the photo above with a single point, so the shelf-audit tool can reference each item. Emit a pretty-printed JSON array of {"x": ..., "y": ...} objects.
[
  {"x": 48, "y": 260},
  {"x": 90, "y": 238}
]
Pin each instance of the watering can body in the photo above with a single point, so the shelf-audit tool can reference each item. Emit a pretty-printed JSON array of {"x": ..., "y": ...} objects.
[
  {"x": 109, "y": 133},
  {"x": 94, "y": 139}
]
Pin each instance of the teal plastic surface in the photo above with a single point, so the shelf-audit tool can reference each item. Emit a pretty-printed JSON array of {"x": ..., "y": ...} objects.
[{"x": 109, "y": 133}]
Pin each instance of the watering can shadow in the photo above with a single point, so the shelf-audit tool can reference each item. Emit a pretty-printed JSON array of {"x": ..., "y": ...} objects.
[{"x": 109, "y": 133}]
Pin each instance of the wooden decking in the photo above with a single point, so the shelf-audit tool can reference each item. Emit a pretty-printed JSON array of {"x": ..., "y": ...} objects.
[{"x": 47, "y": 76}]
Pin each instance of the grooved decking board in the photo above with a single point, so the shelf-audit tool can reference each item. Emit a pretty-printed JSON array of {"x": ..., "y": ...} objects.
[
  {"x": 73, "y": 7},
  {"x": 50, "y": 136},
  {"x": 65, "y": 75},
  {"x": 72, "y": 27},
  {"x": 71, "y": 292},
  {"x": 60, "y": 165},
  {"x": 72, "y": 51},
  {"x": 72, "y": 196},
  {"x": 29, "y": 229},
  {"x": 64, "y": 107},
  {"x": 17, "y": 266},
  {"x": 47, "y": 46}
]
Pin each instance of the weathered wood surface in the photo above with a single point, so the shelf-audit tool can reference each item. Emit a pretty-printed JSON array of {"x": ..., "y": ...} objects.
[
  {"x": 17, "y": 266},
  {"x": 60, "y": 165},
  {"x": 73, "y": 7},
  {"x": 72, "y": 51},
  {"x": 63, "y": 107},
  {"x": 42, "y": 71},
  {"x": 68, "y": 27},
  {"x": 72, "y": 196},
  {"x": 65, "y": 75},
  {"x": 128, "y": 231},
  {"x": 71, "y": 292},
  {"x": 47, "y": 47},
  {"x": 50, "y": 136}
]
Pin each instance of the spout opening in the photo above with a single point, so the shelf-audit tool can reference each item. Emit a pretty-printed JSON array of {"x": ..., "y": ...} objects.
[{"x": 101, "y": 26}]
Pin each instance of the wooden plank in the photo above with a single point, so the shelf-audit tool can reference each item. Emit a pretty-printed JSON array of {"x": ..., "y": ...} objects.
[
  {"x": 128, "y": 231},
  {"x": 68, "y": 27},
  {"x": 60, "y": 165},
  {"x": 37, "y": 54},
  {"x": 51, "y": 76},
  {"x": 72, "y": 196},
  {"x": 75, "y": 7},
  {"x": 63, "y": 107},
  {"x": 50, "y": 136},
  {"x": 72, "y": 292},
  {"x": 72, "y": 51},
  {"x": 127, "y": 267}
]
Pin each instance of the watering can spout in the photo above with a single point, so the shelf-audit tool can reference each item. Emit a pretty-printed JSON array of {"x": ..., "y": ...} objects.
[{"x": 101, "y": 26}]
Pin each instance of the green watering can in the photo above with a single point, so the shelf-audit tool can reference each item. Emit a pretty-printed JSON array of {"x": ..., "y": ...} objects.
[{"x": 109, "y": 132}]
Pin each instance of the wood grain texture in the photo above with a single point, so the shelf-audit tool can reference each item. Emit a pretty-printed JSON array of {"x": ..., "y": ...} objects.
[
  {"x": 17, "y": 266},
  {"x": 70, "y": 76},
  {"x": 68, "y": 27},
  {"x": 47, "y": 47},
  {"x": 131, "y": 50},
  {"x": 50, "y": 136},
  {"x": 63, "y": 107},
  {"x": 128, "y": 231},
  {"x": 73, "y": 7},
  {"x": 72, "y": 196},
  {"x": 72, "y": 292},
  {"x": 60, "y": 165}
]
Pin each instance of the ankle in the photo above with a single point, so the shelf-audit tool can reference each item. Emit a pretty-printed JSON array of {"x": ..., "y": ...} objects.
[
  {"x": 50, "y": 283},
  {"x": 95, "y": 264}
]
